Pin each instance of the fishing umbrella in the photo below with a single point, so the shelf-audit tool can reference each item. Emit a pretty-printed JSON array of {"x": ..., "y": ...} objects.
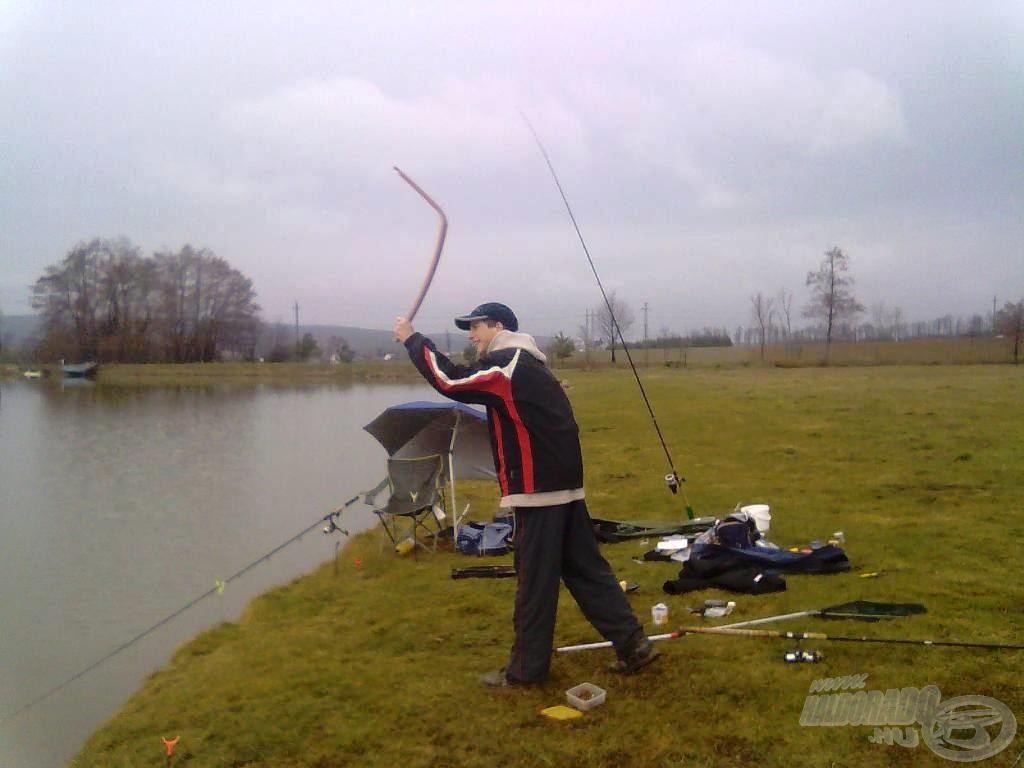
[{"x": 453, "y": 430}]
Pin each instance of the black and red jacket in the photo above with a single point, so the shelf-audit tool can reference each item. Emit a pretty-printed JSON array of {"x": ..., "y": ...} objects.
[{"x": 534, "y": 436}]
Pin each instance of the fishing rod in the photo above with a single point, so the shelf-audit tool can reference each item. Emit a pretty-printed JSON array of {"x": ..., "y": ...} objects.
[
  {"x": 734, "y": 630},
  {"x": 331, "y": 519},
  {"x": 840, "y": 638},
  {"x": 862, "y": 610},
  {"x": 442, "y": 231},
  {"x": 672, "y": 479}
]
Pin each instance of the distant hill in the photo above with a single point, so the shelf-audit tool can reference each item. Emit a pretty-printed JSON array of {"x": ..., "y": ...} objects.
[
  {"x": 15, "y": 330},
  {"x": 365, "y": 342}
]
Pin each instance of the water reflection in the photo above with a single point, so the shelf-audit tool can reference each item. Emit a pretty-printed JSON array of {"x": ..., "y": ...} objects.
[{"x": 118, "y": 505}]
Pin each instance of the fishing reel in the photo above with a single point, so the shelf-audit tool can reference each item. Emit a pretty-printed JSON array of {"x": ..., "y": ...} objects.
[
  {"x": 333, "y": 518},
  {"x": 672, "y": 480},
  {"x": 803, "y": 657},
  {"x": 332, "y": 525}
]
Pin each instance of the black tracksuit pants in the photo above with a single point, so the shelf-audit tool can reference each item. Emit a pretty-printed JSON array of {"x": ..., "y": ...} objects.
[{"x": 553, "y": 544}]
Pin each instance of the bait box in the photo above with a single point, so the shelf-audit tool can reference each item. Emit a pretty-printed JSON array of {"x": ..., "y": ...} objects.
[{"x": 585, "y": 696}]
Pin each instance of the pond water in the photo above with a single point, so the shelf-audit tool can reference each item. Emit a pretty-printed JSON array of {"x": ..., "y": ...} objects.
[{"x": 120, "y": 506}]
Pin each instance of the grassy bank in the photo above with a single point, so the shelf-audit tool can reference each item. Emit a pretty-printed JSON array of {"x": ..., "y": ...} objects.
[
  {"x": 377, "y": 665},
  {"x": 927, "y": 351}
]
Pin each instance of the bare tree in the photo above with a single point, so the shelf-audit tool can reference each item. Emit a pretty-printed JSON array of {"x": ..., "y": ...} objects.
[
  {"x": 762, "y": 311},
  {"x": 204, "y": 303},
  {"x": 1009, "y": 322},
  {"x": 831, "y": 296},
  {"x": 879, "y": 318},
  {"x": 975, "y": 326},
  {"x": 105, "y": 301},
  {"x": 784, "y": 302},
  {"x": 66, "y": 298},
  {"x": 897, "y": 322},
  {"x": 614, "y": 323}
]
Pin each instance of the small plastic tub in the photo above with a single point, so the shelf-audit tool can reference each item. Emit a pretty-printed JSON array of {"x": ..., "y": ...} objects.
[{"x": 585, "y": 696}]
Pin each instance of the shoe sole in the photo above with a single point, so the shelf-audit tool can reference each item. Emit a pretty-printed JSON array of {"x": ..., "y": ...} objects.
[{"x": 632, "y": 669}]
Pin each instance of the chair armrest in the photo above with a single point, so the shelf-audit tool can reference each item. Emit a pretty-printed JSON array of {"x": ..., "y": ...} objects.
[{"x": 370, "y": 497}]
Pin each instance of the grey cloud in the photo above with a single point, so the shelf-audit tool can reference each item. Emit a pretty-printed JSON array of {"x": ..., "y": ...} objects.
[{"x": 708, "y": 151}]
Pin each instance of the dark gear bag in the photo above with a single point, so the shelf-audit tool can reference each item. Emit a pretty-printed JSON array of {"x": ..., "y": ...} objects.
[{"x": 732, "y": 573}]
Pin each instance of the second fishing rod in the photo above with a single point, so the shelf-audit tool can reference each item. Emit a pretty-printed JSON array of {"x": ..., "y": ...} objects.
[{"x": 673, "y": 480}]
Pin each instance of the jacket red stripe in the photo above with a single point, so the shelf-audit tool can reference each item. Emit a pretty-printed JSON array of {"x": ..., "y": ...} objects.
[{"x": 497, "y": 381}]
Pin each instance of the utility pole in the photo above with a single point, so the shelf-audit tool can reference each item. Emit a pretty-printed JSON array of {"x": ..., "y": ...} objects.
[
  {"x": 646, "y": 350},
  {"x": 296, "y": 327},
  {"x": 586, "y": 337},
  {"x": 448, "y": 343}
]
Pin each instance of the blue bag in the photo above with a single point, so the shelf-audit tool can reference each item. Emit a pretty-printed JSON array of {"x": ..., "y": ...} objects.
[{"x": 483, "y": 538}]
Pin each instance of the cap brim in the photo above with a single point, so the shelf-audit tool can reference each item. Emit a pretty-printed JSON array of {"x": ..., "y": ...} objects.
[{"x": 463, "y": 323}]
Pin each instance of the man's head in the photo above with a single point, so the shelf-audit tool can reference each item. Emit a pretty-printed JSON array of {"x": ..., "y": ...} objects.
[
  {"x": 485, "y": 322},
  {"x": 490, "y": 310}
]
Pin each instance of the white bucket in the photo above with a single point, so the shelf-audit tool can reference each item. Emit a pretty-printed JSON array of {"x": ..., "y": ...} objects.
[
  {"x": 659, "y": 614},
  {"x": 761, "y": 514}
]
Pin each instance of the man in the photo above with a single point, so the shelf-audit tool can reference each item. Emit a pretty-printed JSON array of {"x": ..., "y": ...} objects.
[{"x": 537, "y": 457}]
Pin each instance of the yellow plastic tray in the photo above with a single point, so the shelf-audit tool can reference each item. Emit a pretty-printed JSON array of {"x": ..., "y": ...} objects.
[{"x": 561, "y": 712}]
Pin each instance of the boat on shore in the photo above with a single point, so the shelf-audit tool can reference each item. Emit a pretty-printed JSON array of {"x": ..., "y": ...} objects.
[{"x": 79, "y": 370}]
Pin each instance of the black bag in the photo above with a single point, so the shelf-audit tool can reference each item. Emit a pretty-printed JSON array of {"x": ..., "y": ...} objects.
[{"x": 730, "y": 572}]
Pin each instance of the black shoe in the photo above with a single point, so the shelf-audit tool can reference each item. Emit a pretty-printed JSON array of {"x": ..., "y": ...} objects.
[
  {"x": 498, "y": 678},
  {"x": 494, "y": 679},
  {"x": 636, "y": 658}
]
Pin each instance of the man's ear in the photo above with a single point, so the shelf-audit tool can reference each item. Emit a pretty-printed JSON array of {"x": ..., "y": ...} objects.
[{"x": 499, "y": 325}]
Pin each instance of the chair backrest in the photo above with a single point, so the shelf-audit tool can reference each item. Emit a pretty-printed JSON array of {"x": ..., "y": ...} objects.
[{"x": 416, "y": 480}]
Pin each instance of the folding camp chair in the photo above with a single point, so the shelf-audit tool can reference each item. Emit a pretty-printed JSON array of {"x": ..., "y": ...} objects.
[{"x": 413, "y": 489}]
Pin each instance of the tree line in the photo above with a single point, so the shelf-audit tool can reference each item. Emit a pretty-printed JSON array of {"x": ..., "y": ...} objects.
[
  {"x": 836, "y": 310},
  {"x": 832, "y": 307},
  {"x": 106, "y": 301}
]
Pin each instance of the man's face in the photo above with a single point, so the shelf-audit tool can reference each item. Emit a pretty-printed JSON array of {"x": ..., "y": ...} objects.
[{"x": 480, "y": 334}]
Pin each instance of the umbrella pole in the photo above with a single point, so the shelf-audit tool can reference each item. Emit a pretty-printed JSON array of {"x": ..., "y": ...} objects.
[
  {"x": 451, "y": 489},
  {"x": 451, "y": 479}
]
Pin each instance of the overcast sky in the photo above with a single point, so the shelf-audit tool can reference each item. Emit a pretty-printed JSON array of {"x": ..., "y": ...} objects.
[{"x": 709, "y": 150}]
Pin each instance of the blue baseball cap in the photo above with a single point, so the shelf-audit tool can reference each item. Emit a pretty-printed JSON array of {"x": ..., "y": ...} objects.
[{"x": 492, "y": 310}]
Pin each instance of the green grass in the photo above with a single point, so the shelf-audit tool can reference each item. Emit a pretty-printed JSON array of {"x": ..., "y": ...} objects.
[{"x": 920, "y": 467}]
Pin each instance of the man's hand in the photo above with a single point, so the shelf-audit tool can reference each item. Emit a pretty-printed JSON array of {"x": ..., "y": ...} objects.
[{"x": 403, "y": 329}]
